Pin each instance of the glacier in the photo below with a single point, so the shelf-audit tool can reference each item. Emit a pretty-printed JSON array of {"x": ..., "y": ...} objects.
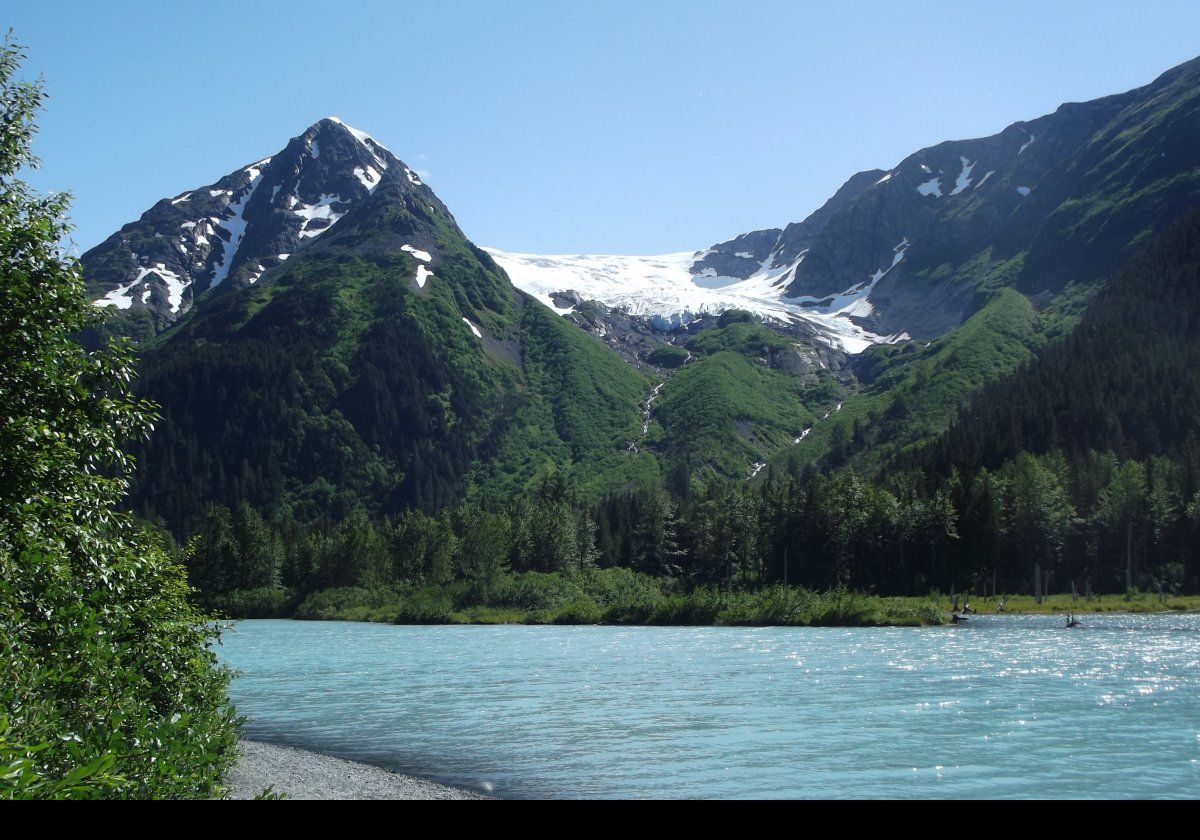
[{"x": 663, "y": 289}]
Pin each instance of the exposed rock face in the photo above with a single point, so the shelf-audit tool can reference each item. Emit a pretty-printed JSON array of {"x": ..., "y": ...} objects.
[
  {"x": 235, "y": 230},
  {"x": 748, "y": 253},
  {"x": 910, "y": 252},
  {"x": 1066, "y": 198}
]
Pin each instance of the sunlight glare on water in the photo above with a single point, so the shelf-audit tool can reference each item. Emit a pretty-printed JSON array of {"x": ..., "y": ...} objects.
[{"x": 1004, "y": 707}]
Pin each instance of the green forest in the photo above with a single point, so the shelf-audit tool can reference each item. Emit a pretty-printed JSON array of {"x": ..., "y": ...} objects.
[
  {"x": 725, "y": 553},
  {"x": 1079, "y": 471}
]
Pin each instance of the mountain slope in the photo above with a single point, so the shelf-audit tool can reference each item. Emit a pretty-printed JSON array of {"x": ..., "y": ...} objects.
[
  {"x": 236, "y": 229},
  {"x": 1043, "y": 206},
  {"x": 1066, "y": 198},
  {"x": 1126, "y": 381},
  {"x": 388, "y": 363},
  {"x": 910, "y": 394},
  {"x": 745, "y": 393}
]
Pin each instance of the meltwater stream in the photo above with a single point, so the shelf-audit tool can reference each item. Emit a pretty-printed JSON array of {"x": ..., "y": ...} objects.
[{"x": 1004, "y": 707}]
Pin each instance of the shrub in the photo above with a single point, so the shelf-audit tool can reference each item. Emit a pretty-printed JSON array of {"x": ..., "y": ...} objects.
[
  {"x": 579, "y": 611},
  {"x": 429, "y": 605},
  {"x": 264, "y": 602},
  {"x": 535, "y": 591},
  {"x": 337, "y": 602},
  {"x": 667, "y": 356}
]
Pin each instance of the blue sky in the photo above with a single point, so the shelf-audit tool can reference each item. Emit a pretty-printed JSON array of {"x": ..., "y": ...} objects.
[{"x": 563, "y": 126}]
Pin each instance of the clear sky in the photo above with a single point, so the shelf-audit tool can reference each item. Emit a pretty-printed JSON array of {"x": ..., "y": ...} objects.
[{"x": 559, "y": 126}]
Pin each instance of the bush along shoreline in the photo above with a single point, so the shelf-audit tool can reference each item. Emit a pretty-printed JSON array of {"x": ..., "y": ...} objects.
[
  {"x": 597, "y": 596},
  {"x": 622, "y": 597}
]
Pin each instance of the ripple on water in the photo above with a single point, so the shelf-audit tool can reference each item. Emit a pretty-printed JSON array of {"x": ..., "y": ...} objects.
[{"x": 1003, "y": 707}]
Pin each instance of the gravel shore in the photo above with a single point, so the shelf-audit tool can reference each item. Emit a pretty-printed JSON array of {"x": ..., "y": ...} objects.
[{"x": 307, "y": 775}]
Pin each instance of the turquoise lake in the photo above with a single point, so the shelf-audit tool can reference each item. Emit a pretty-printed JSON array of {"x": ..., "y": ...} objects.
[{"x": 1013, "y": 706}]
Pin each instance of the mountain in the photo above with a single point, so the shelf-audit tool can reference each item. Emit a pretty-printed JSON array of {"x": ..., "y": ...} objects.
[
  {"x": 231, "y": 232},
  {"x": 1044, "y": 206},
  {"x": 1126, "y": 381},
  {"x": 387, "y": 364}
]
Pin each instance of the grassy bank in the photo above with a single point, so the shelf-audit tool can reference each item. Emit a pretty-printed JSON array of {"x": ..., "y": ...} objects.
[
  {"x": 619, "y": 596},
  {"x": 599, "y": 596},
  {"x": 1133, "y": 602}
]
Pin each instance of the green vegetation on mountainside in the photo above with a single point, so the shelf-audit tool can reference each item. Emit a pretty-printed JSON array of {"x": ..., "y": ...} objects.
[
  {"x": 728, "y": 408},
  {"x": 337, "y": 382},
  {"x": 913, "y": 391},
  {"x": 1127, "y": 380}
]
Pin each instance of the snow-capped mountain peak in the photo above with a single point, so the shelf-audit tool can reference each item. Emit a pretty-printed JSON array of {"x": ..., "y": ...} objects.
[
  {"x": 241, "y": 226},
  {"x": 380, "y": 152}
]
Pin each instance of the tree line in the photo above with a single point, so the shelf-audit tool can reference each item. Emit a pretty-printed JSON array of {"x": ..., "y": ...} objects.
[{"x": 1095, "y": 521}]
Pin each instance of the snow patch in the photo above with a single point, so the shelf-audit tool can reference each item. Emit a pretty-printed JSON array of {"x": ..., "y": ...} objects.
[
  {"x": 423, "y": 256},
  {"x": 368, "y": 177},
  {"x": 424, "y": 274},
  {"x": 1028, "y": 143},
  {"x": 883, "y": 180},
  {"x": 983, "y": 180},
  {"x": 964, "y": 177},
  {"x": 199, "y": 231},
  {"x": 933, "y": 187},
  {"x": 1024, "y": 191},
  {"x": 235, "y": 226},
  {"x": 474, "y": 328},
  {"x": 185, "y": 197},
  {"x": 323, "y": 209},
  {"x": 855, "y": 302},
  {"x": 174, "y": 283},
  {"x": 412, "y": 177},
  {"x": 118, "y": 297},
  {"x": 122, "y": 296},
  {"x": 255, "y": 169}
]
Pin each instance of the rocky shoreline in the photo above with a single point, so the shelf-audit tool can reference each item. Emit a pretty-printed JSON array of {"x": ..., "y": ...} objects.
[{"x": 300, "y": 774}]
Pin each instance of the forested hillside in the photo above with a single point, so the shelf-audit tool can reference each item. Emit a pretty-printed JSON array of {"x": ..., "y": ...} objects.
[
  {"x": 383, "y": 375},
  {"x": 1080, "y": 471},
  {"x": 909, "y": 393},
  {"x": 360, "y": 374},
  {"x": 1127, "y": 380}
]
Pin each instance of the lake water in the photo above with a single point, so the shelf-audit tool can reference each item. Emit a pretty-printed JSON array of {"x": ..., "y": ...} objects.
[{"x": 1003, "y": 707}]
